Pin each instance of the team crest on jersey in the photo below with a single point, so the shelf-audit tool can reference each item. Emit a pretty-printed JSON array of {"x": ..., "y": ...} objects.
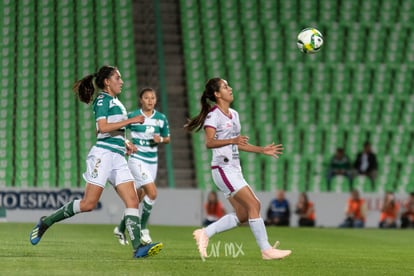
[
  {"x": 144, "y": 176},
  {"x": 112, "y": 104},
  {"x": 149, "y": 131}
]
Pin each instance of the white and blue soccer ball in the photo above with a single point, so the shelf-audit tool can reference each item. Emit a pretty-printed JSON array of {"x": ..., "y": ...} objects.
[{"x": 310, "y": 40}]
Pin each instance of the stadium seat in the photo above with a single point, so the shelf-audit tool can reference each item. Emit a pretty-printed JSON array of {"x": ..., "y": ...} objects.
[
  {"x": 289, "y": 9},
  {"x": 348, "y": 11},
  {"x": 341, "y": 73},
  {"x": 368, "y": 12},
  {"x": 406, "y": 15},
  {"x": 124, "y": 37},
  {"x": 388, "y": 12}
]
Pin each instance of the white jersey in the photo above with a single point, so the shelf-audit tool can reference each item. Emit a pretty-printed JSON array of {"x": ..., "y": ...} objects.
[{"x": 226, "y": 127}]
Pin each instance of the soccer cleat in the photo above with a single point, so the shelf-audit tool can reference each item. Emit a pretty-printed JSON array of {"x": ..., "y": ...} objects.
[
  {"x": 120, "y": 236},
  {"x": 145, "y": 237},
  {"x": 274, "y": 253},
  {"x": 148, "y": 250},
  {"x": 202, "y": 242},
  {"x": 38, "y": 231}
]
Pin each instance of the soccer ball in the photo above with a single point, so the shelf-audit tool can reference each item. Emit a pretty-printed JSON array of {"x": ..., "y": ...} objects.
[{"x": 310, "y": 40}]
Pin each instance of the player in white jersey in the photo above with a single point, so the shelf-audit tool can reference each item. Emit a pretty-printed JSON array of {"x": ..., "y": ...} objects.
[
  {"x": 222, "y": 133},
  {"x": 106, "y": 160},
  {"x": 144, "y": 163}
]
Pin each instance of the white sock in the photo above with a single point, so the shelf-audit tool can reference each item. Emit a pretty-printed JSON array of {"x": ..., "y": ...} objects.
[
  {"x": 259, "y": 231},
  {"x": 131, "y": 212},
  {"x": 76, "y": 206},
  {"x": 225, "y": 223},
  {"x": 148, "y": 200}
]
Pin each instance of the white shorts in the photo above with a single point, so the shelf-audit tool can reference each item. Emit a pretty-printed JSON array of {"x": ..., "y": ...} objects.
[
  {"x": 103, "y": 165},
  {"x": 142, "y": 172},
  {"x": 228, "y": 179}
]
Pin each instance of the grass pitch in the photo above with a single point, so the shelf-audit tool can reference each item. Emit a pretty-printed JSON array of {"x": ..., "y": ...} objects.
[{"x": 72, "y": 249}]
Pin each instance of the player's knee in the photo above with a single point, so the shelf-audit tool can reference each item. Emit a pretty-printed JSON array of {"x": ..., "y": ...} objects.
[
  {"x": 243, "y": 218},
  {"x": 152, "y": 195}
]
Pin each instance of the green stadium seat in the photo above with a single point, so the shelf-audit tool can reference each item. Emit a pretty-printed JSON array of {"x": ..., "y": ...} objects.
[
  {"x": 308, "y": 12},
  {"x": 105, "y": 36},
  {"x": 299, "y": 79},
  {"x": 334, "y": 137},
  {"x": 290, "y": 11},
  {"x": 369, "y": 109},
  {"x": 406, "y": 14},
  {"x": 327, "y": 106},
  {"x": 68, "y": 158},
  {"x": 388, "y": 12},
  {"x": 267, "y": 12},
  {"x": 348, "y": 11},
  {"x": 124, "y": 59},
  {"x": 273, "y": 46},
  {"x": 375, "y": 49},
  {"x": 354, "y": 46},
  {"x": 306, "y": 110},
  {"x": 290, "y": 139},
  {"x": 379, "y": 136},
  {"x": 312, "y": 141},
  {"x": 341, "y": 73},
  {"x": 285, "y": 110},
  {"x": 248, "y": 11},
  {"x": 278, "y": 75},
  {"x": 402, "y": 84},
  {"x": 333, "y": 50},
  {"x": 320, "y": 78},
  {"x": 395, "y": 49},
  {"x": 7, "y": 54},
  {"x": 368, "y": 12},
  {"x": 25, "y": 120},
  {"x": 274, "y": 174},
  {"x": 296, "y": 174}
]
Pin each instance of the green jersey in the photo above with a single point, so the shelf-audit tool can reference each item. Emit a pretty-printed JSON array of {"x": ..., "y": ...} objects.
[
  {"x": 106, "y": 106},
  {"x": 142, "y": 135}
]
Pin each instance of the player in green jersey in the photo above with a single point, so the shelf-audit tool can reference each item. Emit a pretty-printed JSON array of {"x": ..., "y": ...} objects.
[
  {"x": 106, "y": 160},
  {"x": 144, "y": 163}
]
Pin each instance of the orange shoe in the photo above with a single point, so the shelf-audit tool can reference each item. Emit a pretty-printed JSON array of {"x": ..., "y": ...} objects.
[
  {"x": 202, "y": 242},
  {"x": 274, "y": 253}
]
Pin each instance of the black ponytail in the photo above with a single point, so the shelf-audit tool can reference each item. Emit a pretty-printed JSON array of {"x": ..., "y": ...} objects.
[
  {"x": 196, "y": 123},
  {"x": 85, "y": 88}
]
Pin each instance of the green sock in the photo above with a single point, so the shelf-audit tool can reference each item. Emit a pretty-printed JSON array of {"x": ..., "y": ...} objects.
[
  {"x": 121, "y": 226},
  {"x": 146, "y": 212},
  {"x": 64, "y": 212},
  {"x": 132, "y": 224}
]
